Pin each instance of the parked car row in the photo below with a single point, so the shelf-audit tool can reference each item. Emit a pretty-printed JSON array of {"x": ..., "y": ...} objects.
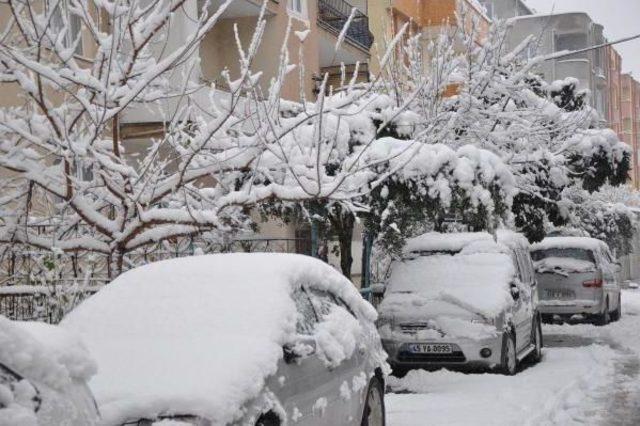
[{"x": 269, "y": 339}]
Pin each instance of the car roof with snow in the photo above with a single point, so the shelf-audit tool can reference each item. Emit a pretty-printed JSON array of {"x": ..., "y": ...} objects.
[
  {"x": 199, "y": 334},
  {"x": 586, "y": 243},
  {"x": 455, "y": 242},
  {"x": 467, "y": 270}
]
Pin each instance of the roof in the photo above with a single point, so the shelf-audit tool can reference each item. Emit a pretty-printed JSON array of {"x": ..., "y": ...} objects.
[
  {"x": 454, "y": 242},
  {"x": 586, "y": 243},
  {"x": 197, "y": 335}
]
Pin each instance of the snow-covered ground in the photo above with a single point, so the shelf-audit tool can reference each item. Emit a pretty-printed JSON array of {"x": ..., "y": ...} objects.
[{"x": 589, "y": 375}]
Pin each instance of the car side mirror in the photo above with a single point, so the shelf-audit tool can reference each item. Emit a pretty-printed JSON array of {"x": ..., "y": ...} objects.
[{"x": 301, "y": 348}]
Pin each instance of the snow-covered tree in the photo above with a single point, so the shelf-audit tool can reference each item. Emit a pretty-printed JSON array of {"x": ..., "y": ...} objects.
[
  {"x": 64, "y": 161},
  {"x": 545, "y": 133}
]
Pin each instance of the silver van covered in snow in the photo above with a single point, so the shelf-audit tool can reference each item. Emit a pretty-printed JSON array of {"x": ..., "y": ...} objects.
[{"x": 577, "y": 276}]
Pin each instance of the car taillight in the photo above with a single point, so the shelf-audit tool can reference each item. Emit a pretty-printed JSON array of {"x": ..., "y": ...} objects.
[{"x": 597, "y": 283}]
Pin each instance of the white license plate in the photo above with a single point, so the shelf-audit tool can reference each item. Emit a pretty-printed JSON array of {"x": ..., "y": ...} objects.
[
  {"x": 560, "y": 294},
  {"x": 429, "y": 348}
]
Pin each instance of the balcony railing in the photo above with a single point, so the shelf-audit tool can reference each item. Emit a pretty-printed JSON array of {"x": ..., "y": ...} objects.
[{"x": 333, "y": 15}]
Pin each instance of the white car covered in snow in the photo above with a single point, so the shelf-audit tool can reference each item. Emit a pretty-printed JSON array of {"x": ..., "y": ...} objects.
[
  {"x": 461, "y": 301},
  {"x": 577, "y": 276},
  {"x": 247, "y": 339},
  {"x": 43, "y": 374}
]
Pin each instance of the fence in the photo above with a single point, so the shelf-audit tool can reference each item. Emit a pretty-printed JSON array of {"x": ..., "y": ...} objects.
[{"x": 43, "y": 286}]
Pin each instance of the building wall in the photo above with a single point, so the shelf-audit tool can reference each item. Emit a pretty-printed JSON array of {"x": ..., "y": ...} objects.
[
  {"x": 430, "y": 17},
  {"x": 630, "y": 122},
  {"x": 614, "y": 86},
  {"x": 566, "y": 31},
  {"x": 505, "y": 9}
]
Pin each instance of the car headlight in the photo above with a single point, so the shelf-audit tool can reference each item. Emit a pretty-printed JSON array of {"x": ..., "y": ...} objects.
[{"x": 382, "y": 321}]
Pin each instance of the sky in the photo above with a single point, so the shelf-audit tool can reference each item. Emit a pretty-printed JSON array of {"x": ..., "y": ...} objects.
[{"x": 620, "y": 18}]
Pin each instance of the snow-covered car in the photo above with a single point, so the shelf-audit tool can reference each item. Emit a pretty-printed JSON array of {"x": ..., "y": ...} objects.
[
  {"x": 461, "y": 301},
  {"x": 43, "y": 377},
  {"x": 577, "y": 276},
  {"x": 246, "y": 339}
]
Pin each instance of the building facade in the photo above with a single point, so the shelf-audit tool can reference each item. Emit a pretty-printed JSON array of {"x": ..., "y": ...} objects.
[
  {"x": 505, "y": 9},
  {"x": 630, "y": 113},
  {"x": 428, "y": 17},
  {"x": 567, "y": 31}
]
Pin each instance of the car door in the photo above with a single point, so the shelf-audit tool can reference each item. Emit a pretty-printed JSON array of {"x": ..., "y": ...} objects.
[
  {"x": 300, "y": 384},
  {"x": 523, "y": 304},
  {"x": 609, "y": 274},
  {"x": 346, "y": 394}
]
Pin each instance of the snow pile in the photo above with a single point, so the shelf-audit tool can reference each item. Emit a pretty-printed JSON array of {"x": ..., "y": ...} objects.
[
  {"x": 585, "y": 243},
  {"x": 337, "y": 336},
  {"x": 554, "y": 392},
  {"x": 200, "y": 335},
  {"x": 40, "y": 353},
  {"x": 44, "y": 353}
]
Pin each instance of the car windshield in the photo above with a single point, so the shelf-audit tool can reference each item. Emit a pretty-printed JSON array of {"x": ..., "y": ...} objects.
[
  {"x": 565, "y": 252},
  {"x": 477, "y": 281}
]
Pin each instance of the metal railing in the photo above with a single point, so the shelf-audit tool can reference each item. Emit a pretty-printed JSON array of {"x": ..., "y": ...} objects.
[
  {"x": 39, "y": 285},
  {"x": 333, "y": 15}
]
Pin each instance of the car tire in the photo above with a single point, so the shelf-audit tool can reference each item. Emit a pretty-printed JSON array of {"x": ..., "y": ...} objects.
[
  {"x": 536, "y": 340},
  {"x": 605, "y": 317},
  {"x": 617, "y": 314},
  {"x": 269, "y": 419},
  {"x": 374, "y": 412},
  {"x": 508, "y": 357}
]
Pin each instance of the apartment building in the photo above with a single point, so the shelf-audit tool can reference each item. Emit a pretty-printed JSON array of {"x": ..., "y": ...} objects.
[
  {"x": 505, "y": 9},
  {"x": 630, "y": 97},
  {"x": 614, "y": 86},
  {"x": 568, "y": 31},
  {"x": 428, "y": 17}
]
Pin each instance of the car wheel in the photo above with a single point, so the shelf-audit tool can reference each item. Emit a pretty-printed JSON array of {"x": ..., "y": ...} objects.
[
  {"x": 508, "y": 359},
  {"x": 615, "y": 316},
  {"x": 374, "y": 413},
  {"x": 536, "y": 340},
  {"x": 269, "y": 419},
  {"x": 605, "y": 317}
]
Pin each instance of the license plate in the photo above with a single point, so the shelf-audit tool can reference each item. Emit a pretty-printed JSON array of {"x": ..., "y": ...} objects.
[
  {"x": 560, "y": 294},
  {"x": 428, "y": 348}
]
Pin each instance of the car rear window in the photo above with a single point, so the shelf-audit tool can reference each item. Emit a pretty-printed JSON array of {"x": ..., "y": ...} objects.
[{"x": 568, "y": 252}]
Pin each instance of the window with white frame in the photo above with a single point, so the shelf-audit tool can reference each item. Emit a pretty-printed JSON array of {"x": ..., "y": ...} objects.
[{"x": 298, "y": 8}]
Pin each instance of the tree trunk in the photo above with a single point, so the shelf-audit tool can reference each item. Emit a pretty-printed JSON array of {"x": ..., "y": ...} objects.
[{"x": 344, "y": 227}]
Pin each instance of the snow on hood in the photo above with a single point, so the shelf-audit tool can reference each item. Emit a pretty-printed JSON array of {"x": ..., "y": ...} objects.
[
  {"x": 563, "y": 265},
  {"x": 44, "y": 353},
  {"x": 197, "y": 335},
  {"x": 476, "y": 282}
]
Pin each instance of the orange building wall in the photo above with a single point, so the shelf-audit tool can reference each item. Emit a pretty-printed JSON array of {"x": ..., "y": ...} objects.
[{"x": 630, "y": 122}]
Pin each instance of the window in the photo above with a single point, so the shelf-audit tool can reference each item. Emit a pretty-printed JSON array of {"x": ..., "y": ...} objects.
[
  {"x": 571, "y": 41},
  {"x": 298, "y": 7},
  {"x": 307, "y": 318},
  {"x": 73, "y": 22}
]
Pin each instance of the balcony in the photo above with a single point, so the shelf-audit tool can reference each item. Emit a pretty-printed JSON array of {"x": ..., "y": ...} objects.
[{"x": 333, "y": 15}]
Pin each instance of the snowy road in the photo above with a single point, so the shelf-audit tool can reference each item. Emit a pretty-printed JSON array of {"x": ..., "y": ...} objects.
[{"x": 589, "y": 375}]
